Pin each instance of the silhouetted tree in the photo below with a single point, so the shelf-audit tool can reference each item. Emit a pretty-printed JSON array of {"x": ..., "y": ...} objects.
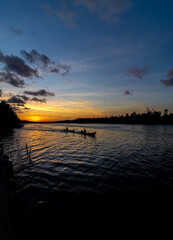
[
  {"x": 148, "y": 117},
  {"x": 8, "y": 118},
  {"x": 166, "y": 112}
]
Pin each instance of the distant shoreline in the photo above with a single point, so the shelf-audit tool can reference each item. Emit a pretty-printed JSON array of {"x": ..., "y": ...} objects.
[
  {"x": 75, "y": 122},
  {"x": 149, "y": 117}
]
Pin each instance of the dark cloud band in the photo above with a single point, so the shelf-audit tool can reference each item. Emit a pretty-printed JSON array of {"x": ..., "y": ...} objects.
[{"x": 41, "y": 92}]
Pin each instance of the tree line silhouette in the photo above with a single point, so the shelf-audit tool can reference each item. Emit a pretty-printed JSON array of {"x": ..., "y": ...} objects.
[
  {"x": 148, "y": 117},
  {"x": 8, "y": 118}
]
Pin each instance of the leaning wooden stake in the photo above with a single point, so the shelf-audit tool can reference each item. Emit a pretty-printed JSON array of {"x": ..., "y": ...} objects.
[{"x": 28, "y": 152}]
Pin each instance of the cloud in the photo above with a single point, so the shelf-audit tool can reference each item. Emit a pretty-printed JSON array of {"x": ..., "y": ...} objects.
[
  {"x": 26, "y": 108},
  {"x": 63, "y": 11},
  {"x": 16, "y": 31},
  {"x": 12, "y": 79},
  {"x": 15, "y": 99},
  {"x": 44, "y": 63},
  {"x": 35, "y": 99},
  {"x": 41, "y": 92},
  {"x": 18, "y": 102},
  {"x": 18, "y": 66},
  {"x": 138, "y": 73},
  {"x": 170, "y": 73},
  {"x": 127, "y": 93},
  {"x": 106, "y": 9},
  {"x": 35, "y": 57},
  {"x": 0, "y": 92},
  {"x": 17, "y": 109},
  {"x": 66, "y": 14},
  {"x": 168, "y": 82},
  {"x": 25, "y": 98},
  {"x": 15, "y": 68},
  {"x": 48, "y": 9}
]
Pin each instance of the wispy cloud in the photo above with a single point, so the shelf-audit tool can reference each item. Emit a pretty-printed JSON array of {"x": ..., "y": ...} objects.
[
  {"x": 66, "y": 14},
  {"x": 138, "y": 72},
  {"x": 108, "y": 10},
  {"x": 63, "y": 12},
  {"x": 16, "y": 31}
]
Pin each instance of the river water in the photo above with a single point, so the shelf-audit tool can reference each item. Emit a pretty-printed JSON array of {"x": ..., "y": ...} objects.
[{"x": 120, "y": 159}]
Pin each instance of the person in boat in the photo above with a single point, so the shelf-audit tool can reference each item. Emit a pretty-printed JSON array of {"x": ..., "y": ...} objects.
[
  {"x": 66, "y": 129},
  {"x": 83, "y": 131}
]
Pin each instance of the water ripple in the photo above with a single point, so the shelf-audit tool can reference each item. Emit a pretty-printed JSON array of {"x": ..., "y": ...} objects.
[{"x": 120, "y": 158}]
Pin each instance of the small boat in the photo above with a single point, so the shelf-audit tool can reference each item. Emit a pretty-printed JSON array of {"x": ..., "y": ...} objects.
[
  {"x": 67, "y": 130},
  {"x": 89, "y": 134}
]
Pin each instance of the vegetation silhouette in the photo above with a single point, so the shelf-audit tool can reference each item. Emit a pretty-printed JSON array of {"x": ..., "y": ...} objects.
[
  {"x": 148, "y": 117},
  {"x": 8, "y": 118}
]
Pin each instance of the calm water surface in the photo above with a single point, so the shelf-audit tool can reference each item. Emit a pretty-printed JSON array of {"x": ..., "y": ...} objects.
[{"x": 125, "y": 158}]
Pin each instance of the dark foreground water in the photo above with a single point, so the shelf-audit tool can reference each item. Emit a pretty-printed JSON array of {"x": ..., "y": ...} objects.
[{"x": 72, "y": 177}]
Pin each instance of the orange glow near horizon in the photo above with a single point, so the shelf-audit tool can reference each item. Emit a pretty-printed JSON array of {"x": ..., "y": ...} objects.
[
  {"x": 59, "y": 111},
  {"x": 34, "y": 118},
  {"x": 70, "y": 110}
]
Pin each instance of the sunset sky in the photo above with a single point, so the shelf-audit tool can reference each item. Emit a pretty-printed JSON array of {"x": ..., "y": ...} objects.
[{"x": 63, "y": 59}]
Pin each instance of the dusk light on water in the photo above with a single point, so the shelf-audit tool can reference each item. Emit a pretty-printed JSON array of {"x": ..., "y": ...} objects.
[{"x": 86, "y": 115}]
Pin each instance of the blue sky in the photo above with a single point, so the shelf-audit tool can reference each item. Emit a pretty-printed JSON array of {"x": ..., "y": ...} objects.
[{"x": 104, "y": 57}]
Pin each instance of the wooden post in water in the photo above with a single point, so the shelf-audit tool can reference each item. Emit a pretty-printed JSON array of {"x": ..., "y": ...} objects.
[
  {"x": 26, "y": 149},
  {"x": 28, "y": 153}
]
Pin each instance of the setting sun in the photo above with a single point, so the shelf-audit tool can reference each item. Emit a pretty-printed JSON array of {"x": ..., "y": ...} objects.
[{"x": 34, "y": 118}]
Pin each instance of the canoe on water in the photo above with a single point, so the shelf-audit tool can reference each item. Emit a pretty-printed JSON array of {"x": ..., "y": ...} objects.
[
  {"x": 89, "y": 134},
  {"x": 65, "y": 130},
  {"x": 92, "y": 134}
]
